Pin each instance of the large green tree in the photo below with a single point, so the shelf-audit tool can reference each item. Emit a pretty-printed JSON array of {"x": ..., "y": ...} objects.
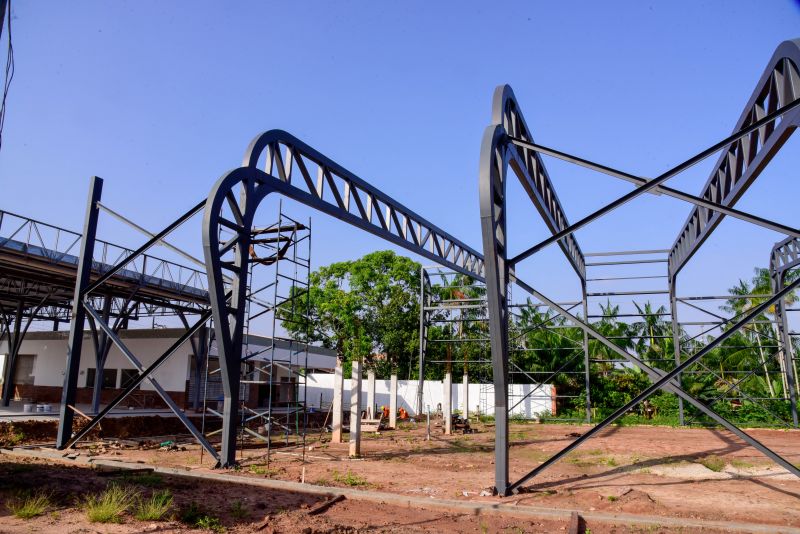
[{"x": 366, "y": 309}]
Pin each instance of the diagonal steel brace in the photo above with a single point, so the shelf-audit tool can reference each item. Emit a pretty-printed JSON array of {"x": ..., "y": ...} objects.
[{"x": 661, "y": 380}]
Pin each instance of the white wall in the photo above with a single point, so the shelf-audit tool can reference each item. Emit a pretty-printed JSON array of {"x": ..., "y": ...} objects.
[
  {"x": 51, "y": 359},
  {"x": 480, "y": 395}
]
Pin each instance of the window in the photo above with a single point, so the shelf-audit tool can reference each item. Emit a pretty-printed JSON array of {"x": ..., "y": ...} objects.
[
  {"x": 127, "y": 377},
  {"x": 23, "y": 374},
  {"x": 109, "y": 378}
]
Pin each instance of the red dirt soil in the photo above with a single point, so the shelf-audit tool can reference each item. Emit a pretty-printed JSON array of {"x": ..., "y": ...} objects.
[{"x": 655, "y": 471}]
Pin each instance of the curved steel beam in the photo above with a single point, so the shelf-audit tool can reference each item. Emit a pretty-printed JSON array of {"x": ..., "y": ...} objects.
[
  {"x": 739, "y": 165},
  {"x": 532, "y": 174},
  {"x": 277, "y": 162}
]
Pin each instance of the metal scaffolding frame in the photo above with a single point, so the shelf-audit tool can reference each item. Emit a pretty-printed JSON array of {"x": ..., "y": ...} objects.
[{"x": 769, "y": 118}]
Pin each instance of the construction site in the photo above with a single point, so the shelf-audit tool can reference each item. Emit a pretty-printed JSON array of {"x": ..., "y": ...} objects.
[{"x": 210, "y": 374}]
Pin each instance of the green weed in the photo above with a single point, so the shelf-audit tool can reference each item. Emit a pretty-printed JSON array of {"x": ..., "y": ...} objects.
[
  {"x": 110, "y": 506},
  {"x": 29, "y": 505},
  {"x": 155, "y": 508},
  {"x": 713, "y": 462},
  {"x": 349, "y": 479}
]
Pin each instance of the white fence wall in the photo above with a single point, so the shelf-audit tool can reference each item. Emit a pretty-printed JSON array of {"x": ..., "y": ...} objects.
[{"x": 481, "y": 396}]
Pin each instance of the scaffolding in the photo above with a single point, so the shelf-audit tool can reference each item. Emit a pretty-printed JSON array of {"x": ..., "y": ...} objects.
[
  {"x": 274, "y": 368},
  {"x": 454, "y": 332}
]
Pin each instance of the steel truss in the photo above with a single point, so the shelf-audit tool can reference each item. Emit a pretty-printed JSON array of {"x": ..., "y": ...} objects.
[
  {"x": 277, "y": 162},
  {"x": 771, "y": 115}
]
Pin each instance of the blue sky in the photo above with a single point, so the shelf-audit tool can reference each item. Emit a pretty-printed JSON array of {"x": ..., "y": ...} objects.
[{"x": 161, "y": 98}]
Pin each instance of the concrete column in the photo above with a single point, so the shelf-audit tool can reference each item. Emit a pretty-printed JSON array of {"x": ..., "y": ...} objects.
[
  {"x": 393, "y": 403},
  {"x": 336, "y": 416},
  {"x": 355, "y": 410},
  {"x": 465, "y": 397},
  {"x": 371, "y": 394},
  {"x": 447, "y": 405}
]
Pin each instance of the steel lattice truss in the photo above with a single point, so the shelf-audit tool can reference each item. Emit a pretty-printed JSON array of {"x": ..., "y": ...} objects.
[{"x": 277, "y": 162}]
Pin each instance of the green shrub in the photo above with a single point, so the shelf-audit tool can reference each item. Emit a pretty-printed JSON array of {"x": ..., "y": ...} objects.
[
  {"x": 29, "y": 505},
  {"x": 155, "y": 508},
  {"x": 110, "y": 506}
]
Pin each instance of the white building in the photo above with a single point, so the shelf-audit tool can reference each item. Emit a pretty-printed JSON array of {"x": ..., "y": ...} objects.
[{"x": 41, "y": 363}]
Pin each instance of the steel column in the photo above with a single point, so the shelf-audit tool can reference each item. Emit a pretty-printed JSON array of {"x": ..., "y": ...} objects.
[
  {"x": 586, "y": 364},
  {"x": 787, "y": 350},
  {"x": 75, "y": 342},
  {"x": 492, "y": 189},
  {"x": 676, "y": 338}
]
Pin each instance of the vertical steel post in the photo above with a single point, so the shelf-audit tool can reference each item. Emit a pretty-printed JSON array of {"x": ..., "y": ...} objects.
[
  {"x": 492, "y": 189},
  {"x": 423, "y": 337},
  {"x": 102, "y": 348},
  {"x": 78, "y": 315},
  {"x": 787, "y": 351},
  {"x": 14, "y": 344},
  {"x": 586, "y": 364},
  {"x": 676, "y": 339}
]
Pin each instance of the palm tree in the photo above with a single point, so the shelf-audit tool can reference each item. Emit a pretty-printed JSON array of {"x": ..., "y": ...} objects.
[
  {"x": 654, "y": 334},
  {"x": 740, "y": 305}
]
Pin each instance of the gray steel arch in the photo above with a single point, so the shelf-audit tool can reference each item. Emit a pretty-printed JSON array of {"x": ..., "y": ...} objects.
[
  {"x": 496, "y": 156},
  {"x": 331, "y": 189},
  {"x": 739, "y": 165},
  {"x": 532, "y": 174}
]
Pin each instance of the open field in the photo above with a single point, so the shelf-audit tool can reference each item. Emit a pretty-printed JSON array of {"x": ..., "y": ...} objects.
[{"x": 659, "y": 472}]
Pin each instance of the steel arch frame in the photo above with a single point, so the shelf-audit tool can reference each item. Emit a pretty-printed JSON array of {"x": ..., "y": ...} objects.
[
  {"x": 497, "y": 154},
  {"x": 334, "y": 191}
]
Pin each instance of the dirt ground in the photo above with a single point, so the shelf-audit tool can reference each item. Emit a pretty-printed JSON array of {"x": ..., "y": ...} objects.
[{"x": 668, "y": 472}]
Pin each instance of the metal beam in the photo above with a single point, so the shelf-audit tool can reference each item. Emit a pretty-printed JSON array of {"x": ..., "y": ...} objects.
[
  {"x": 664, "y": 380},
  {"x": 75, "y": 342},
  {"x": 675, "y": 193},
  {"x": 652, "y": 184},
  {"x": 739, "y": 166}
]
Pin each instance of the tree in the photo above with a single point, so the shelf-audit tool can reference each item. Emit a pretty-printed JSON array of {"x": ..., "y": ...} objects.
[{"x": 366, "y": 309}]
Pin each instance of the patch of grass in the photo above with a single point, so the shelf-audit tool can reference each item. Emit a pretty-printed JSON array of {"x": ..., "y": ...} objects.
[
  {"x": 30, "y": 505},
  {"x": 742, "y": 464},
  {"x": 194, "y": 516},
  {"x": 110, "y": 506},
  {"x": 238, "y": 509},
  {"x": 155, "y": 508},
  {"x": 611, "y": 461},
  {"x": 349, "y": 479},
  {"x": 713, "y": 462},
  {"x": 151, "y": 480},
  {"x": 264, "y": 470},
  {"x": 612, "y": 498}
]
